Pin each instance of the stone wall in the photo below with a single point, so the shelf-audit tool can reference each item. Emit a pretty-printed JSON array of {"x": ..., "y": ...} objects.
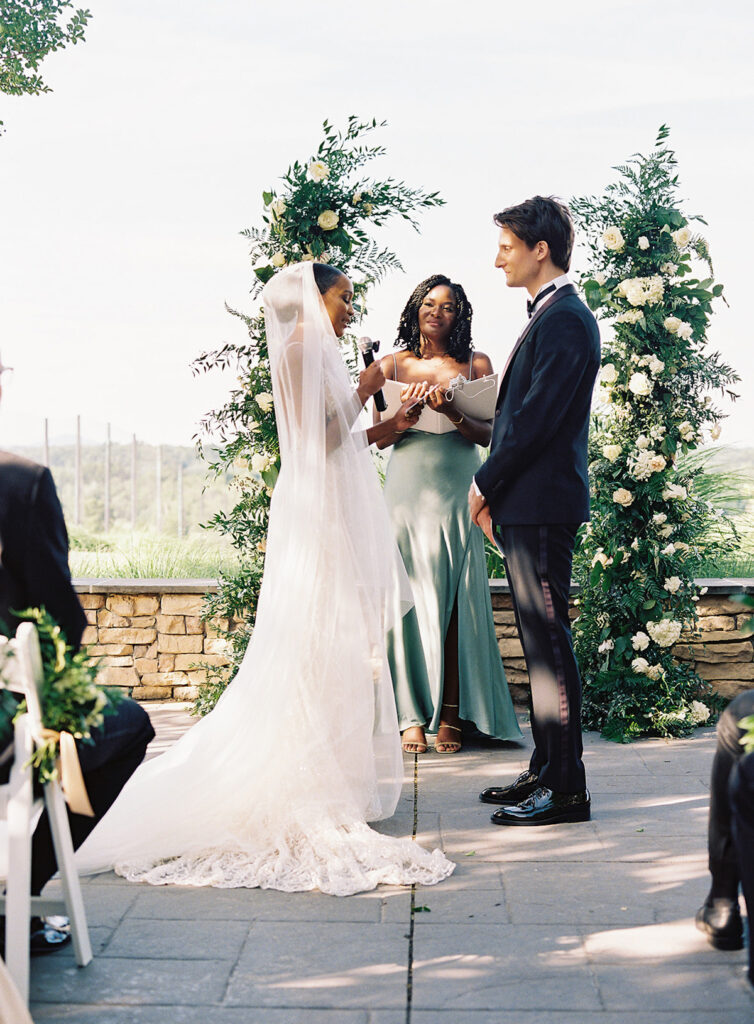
[{"x": 153, "y": 642}]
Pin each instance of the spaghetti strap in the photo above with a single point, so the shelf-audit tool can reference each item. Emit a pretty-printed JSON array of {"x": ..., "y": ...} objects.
[
  {"x": 471, "y": 365},
  {"x": 395, "y": 367}
]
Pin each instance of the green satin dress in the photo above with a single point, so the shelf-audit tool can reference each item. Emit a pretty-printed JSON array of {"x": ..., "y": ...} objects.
[{"x": 426, "y": 489}]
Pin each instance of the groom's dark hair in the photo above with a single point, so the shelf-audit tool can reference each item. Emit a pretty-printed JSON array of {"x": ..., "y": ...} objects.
[{"x": 542, "y": 219}]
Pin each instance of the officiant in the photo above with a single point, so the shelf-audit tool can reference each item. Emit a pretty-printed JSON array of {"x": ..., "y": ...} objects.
[{"x": 444, "y": 658}]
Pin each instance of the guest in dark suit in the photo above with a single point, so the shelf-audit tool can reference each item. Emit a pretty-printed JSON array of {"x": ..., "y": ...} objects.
[
  {"x": 531, "y": 495},
  {"x": 34, "y": 572},
  {"x": 730, "y": 841}
]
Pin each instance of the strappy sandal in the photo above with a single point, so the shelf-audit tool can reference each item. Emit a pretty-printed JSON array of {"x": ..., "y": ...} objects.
[
  {"x": 447, "y": 746},
  {"x": 413, "y": 746}
]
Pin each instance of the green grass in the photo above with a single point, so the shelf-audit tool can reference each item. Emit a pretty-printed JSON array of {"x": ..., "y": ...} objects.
[{"x": 148, "y": 556}]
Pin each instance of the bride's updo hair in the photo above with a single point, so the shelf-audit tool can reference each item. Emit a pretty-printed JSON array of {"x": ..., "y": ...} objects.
[
  {"x": 325, "y": 276},
  {"x": 459, "y": 340}
]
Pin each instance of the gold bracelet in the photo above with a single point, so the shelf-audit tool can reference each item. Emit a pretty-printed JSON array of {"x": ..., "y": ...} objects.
[{"x": 457, "y": 423}]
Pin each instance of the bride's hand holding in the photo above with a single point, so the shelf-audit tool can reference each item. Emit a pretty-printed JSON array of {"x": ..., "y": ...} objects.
[
  {"x": 436, "y": 400},
  {"x": 371, "y": 379}
]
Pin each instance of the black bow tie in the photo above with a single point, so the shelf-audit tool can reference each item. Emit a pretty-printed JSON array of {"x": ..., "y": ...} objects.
[{"x": 532, "y": 304}]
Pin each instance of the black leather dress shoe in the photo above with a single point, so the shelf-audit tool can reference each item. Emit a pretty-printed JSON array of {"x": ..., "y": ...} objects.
[
  {"x": 524, "y": 786},
  {"x": 544, "y": 807},
  {"x": 49, "y": 935},
  {"x": 720, "y": 920}
]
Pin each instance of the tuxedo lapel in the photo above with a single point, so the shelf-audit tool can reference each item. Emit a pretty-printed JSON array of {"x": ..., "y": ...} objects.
[{"x": 567, "y": 289}]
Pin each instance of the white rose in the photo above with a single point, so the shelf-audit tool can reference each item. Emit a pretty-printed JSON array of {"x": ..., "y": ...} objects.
[
  {"x": 608, "y": 374},
  {"x": 655, "y": 365},
  {"x": 278, "y": 208},
  {"x": 640, "y": 384},
  {"x": 356, "y": 199},
  {"x": 681, "y": 237},
  {"x": 639, "y": 666},
  {"x": 657, "y": 433},
  {"x": 654, "y": 671},
  {"x": 659, "y": 518},
  {"x": 671, "y": 324},
  {"x": 672, "y": 584},
  {"x": 665, "y": 632},
  {"x": 260, "y": 462},
  {"x": 605, "y": 646},
  {"x": 613, "y": 239},
  {"x": 699, "y": 711},
  {"x": 623, "y": 497},
  {"x": 674, "y": 492},
  {"x": 611, "y": 452},
  {"x": 665, "y": 531},
  {"x": 669, "y": 269},
  {"x": 600, "y": 278},
  {"x": 278, "y": 259},
  {"x": 640, "y": 641},
  {"x": 685, "y": 331},
  {"x": 318, "y": 170},
  {"x": 686, "y": 430},
  {"x": 715, "y": 431},
  {"x": 643, "y": 242},
  {"x": 264, "y": 401},
  {"x": 657, "y": 463},
  {"x": 631, "y": 316},
  {"x": 328, "y": 220},
  {"x": 642, "y": 441},
  {"x": 602, "y": 558}
]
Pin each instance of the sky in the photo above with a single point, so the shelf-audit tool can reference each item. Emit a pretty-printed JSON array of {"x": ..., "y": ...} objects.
[{"x": 124, "y": 191}]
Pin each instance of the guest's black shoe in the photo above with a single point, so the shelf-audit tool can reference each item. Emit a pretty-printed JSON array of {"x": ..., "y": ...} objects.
[
  {"x": 720, "y": 920},
  {"x": 544, "y": 807},
  {"x": 524, "y": 786},
  {"x": 49, "y": 934}
]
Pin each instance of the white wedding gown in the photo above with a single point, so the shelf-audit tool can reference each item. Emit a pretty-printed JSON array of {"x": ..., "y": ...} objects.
[{"x": 275, "y": 786}]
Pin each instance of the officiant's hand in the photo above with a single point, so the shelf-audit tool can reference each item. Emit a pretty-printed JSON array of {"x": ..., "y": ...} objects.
[
  {"x": 415, "y": 392},
  {"x": 436, "y": 400}
]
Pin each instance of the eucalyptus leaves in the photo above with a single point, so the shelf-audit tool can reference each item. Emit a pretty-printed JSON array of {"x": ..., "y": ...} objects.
[{"x": 649, "y": 532}]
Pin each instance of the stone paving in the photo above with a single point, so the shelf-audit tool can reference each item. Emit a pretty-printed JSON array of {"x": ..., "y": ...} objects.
[{"x": 569, "y": 924}]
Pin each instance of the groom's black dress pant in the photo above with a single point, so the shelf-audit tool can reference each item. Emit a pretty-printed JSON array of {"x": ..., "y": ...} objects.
[
  {"x": 107, "y": 764},
  {"x": 538, "y": 565},
  {"x": 742, "y": 806}
]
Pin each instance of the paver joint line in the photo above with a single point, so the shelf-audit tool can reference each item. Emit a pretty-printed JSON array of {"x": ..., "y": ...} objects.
[{"x": 412, "y": 908}]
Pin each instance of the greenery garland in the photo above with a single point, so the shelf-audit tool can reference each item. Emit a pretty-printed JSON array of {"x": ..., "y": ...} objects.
[
  {"x": 650, "y": 531},
  {"x": 71, "y": 700},
  {"x": 324, "y": 210}
]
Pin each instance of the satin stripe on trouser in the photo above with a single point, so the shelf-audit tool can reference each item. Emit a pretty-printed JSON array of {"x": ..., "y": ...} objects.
[{"x": 538, "y": 564}]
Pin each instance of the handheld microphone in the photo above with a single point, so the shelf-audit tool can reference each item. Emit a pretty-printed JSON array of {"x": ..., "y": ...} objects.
[{"x": 367, "y": 347}]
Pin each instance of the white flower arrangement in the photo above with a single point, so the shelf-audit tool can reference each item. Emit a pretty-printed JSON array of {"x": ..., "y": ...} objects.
[
  {"x": 665, "y": 632},
  {"x": 328, "y": 220},
  {"x": 611, "y": 452},
  {"x": 631, "y": 316},
  {"x": 278, "y": 208},
  {"x": 608, "y": 374},
  {"x": 642, "y": 291},
  {"x": 612, "y": 238},
  {"x": 672, "y": 584},
  {"x": 318, "y": 171},
  {"x": 699, "y": 711},
  {"x": 715, "y": 431},
  {"x": 671, "y": 324},
  {"x": 265, "y": 401},
  {"x": 640, "y": 385},
  {"x": 643, "y": 242},
  {"x": 640, "y": 666},
  {"x": 686, "y": 430},
  {"x": 605, "y": 646},
  {"x": 260, "y": 461},
  {"x": 681, "y": 237},
  {"x": 640, "y": 641},
  {"x": 278, "y": 259},
  {"x": 659, "y": 518},
  {"x": 642, "y": 442},
  {"x": 675, "y": 492},
  {"x": 623, "y": 497}
]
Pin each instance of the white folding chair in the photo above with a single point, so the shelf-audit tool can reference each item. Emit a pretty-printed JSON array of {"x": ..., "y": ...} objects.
[{"x": 21, "y": 672}]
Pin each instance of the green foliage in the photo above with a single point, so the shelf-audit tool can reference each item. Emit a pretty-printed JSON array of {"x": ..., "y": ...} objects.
[
  {"x": 29, "y": 30},
  {"x": 71, "y": 700},
  {"x": 323, "y": 209},
  {"x": 655, "y": 522}
]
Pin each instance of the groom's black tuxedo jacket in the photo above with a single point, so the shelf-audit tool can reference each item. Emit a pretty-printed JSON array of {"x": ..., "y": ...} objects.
[
  {"x": 34, "y": 549},
  {"x": 536, "y": 472}
]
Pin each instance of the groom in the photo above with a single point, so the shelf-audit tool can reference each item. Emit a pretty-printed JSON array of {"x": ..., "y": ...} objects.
[{"x": 531, "y": 495}]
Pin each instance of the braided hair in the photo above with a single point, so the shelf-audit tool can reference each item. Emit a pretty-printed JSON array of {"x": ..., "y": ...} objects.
[{"x": 459, "y": 340}]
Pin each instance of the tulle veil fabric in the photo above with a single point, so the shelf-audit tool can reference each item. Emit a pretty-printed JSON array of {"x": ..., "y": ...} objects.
[{"x": 275, "y": 786}]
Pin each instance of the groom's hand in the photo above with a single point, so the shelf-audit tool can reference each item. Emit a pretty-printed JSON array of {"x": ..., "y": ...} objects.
[
  {"x": 476, "y": 503},
  {"x": 484, "y": 522}
]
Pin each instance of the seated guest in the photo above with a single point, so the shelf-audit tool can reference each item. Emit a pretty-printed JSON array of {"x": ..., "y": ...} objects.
[
  {"x": 731, "y": 833},
  {"x": 34, "y": 572}
]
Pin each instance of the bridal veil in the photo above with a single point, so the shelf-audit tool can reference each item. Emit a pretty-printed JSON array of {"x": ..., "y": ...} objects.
[{"x": 275, "y": 786}]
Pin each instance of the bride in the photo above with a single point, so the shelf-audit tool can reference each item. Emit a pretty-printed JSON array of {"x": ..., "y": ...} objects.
[{"x": 275, "y": 786}]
